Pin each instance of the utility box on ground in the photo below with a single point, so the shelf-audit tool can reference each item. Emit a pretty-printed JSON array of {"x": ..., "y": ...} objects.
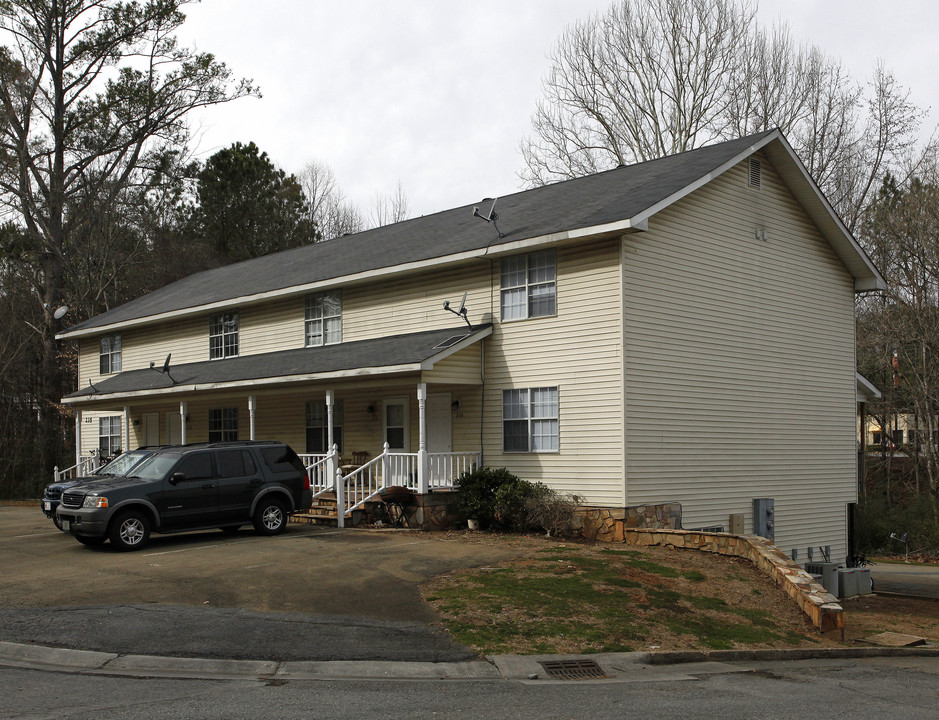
[
  {"x": 848, "y": 582},
  {"x": 764, "y": 518},
  {"x": 736, "y": 523},
  {"x": 828, "y": 572}
]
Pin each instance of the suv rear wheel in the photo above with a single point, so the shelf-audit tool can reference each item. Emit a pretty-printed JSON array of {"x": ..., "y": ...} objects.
[
  {"x": 270, "y": 518},
  {"x": 130, "y": 530}
]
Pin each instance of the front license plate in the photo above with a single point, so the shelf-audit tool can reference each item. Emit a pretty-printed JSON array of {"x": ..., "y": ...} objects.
[
  {"x": 66, "y": 526},
  {"x": 46, "y": 505}
]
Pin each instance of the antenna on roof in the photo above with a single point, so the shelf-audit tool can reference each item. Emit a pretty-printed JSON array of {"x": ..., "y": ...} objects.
[
  {"x": 461, "y": 312},
  {"x": 491, "y": 217}
]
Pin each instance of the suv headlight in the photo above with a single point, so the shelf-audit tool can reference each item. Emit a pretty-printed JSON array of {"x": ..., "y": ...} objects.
[{"x": 95, "y": 501}]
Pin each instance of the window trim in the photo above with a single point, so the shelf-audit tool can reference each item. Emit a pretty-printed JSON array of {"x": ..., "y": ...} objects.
[
  {"x": 112, "y": 450},
  {"x": 110, "y": 354},
  {"x": 218, "y": 320},
  {"x": 531, "y": 419},
  {"x": 528, "y": 285},
  {"x": 322, "y": 319},
  {"x": 232, "y": 432}
]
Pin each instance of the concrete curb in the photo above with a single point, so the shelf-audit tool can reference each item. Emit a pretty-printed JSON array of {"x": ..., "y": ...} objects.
[{"x": 632, "y": 667}]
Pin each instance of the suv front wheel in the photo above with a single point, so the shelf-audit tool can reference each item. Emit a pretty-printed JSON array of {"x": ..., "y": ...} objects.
[
  {"x": 130, "y": 530},
  {"x": 270, "y": 518}
]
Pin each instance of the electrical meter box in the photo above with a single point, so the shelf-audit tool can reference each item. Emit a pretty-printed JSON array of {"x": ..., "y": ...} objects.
[{"x": 764, "y": 518}]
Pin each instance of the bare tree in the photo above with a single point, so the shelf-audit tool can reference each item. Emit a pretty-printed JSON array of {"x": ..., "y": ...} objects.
[
  {"x": 92, "y": 93},
  {"x": 653, "y": 77},
  {"x": 334, "y": 217},
  {"x": 390, "y": 208}
]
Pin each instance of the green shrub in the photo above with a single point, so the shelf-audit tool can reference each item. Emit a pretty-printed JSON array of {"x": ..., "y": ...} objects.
[
  {"x": 476, "y": 493},
  {"x": 511, "y": 500}
]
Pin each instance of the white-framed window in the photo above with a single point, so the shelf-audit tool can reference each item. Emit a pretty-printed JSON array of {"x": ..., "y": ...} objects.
[
  {"x": 223, "y": 425},
  {"x": 323, "y": 319},
  {"x": 317, "y": 428},
  {"x": 110, "y": 354},
  {"x": 529, "y": 285},
  {"x": 530, "y": 420},
  {"x": 109, "y": 435},
  {"x": 223, "y": 335}
]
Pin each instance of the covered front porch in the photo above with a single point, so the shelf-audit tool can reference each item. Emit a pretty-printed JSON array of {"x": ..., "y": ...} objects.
[{"x": 382, "y": 423}]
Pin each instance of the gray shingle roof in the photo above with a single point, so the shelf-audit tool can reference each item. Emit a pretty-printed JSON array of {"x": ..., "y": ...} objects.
[
  {"x": 385, "y": 352},
  {"x": 590, "y": 201}
]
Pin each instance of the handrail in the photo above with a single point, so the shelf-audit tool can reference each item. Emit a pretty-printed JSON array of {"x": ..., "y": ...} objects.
[
  {"x": 318, "y": 472},
  {"x": 86, "y": 465}
]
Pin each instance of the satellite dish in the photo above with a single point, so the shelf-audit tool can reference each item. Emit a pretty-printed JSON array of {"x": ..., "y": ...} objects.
[
  {"x": 166, "y": 364},
  {"x": 60, "y": 312},
  {"x": 462, "y": 309},
  {"x": 461, "y": 312}
]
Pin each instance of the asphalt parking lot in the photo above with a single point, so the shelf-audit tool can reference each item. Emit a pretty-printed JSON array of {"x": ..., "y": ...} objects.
[{"x": 310, "y": 593}]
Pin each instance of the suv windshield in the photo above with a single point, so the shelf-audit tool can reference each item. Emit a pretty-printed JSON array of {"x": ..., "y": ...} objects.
[
  {"x": 123, "y": 463},
  {"x": 156, "y": 466}
]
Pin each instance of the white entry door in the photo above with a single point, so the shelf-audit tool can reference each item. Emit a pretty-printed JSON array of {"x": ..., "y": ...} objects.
[
  {"x": 439, "y": 437},
  {"x": 174, "y": 428},
  {"x": 150, "y": 429}
]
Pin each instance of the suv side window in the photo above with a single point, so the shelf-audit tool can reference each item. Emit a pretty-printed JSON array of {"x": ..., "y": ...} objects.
[
  {"x": 197, "y": 466},
  {"x": 234, "y": 463},
  {"x": 282, "y": 459}
]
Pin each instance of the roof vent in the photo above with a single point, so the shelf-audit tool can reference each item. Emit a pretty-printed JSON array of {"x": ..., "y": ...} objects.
[{"x": 753, "y": 179}]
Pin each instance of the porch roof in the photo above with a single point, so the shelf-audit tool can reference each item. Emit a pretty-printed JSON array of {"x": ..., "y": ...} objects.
[{"x": 395, "y": 354}]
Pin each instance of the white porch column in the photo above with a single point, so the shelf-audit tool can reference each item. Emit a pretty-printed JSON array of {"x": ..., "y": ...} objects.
[
  {"x": 78, "y": 436},
  {"x": 423, "y": 464},
  {"x": 183, "y": 409},
  {"x": 330, "y": 401},
  {"x": 126, "y": 428},
  {"x": 252, "y": 407}
]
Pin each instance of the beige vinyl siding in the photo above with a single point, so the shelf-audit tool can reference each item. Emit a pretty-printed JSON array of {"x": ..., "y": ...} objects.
[
  {"x": 739, "y": 363},
  {"x": 579, "y": 352},
  {"x": 463, "y": 367}
]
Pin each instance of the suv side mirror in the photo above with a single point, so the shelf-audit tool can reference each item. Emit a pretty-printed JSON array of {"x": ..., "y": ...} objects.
[{"x": 177, "y": 477}]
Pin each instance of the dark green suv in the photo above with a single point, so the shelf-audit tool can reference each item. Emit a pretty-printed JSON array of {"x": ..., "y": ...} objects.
[{"x": 190, "y": 487}]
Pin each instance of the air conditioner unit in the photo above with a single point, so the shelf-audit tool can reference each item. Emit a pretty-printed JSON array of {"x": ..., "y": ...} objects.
[
  {"x": 829, "y": 575},
  {"x": 865, "y": 583},
  {"x": 848, "y": 582}
]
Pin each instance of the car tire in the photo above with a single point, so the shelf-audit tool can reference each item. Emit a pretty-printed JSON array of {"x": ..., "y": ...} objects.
[
  {"x": 270, "y": 517},
  {"x": 56, "y": 522},
  {"x": 130, "y": 531},
  {"x": 89, "y": 540}
]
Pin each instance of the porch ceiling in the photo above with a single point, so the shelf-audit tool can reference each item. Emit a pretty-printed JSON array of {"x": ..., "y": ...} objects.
[{"x": 396, "y": 354}]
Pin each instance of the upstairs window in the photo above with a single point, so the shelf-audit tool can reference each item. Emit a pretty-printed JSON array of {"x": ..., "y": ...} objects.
[
  {"x": 223, "y": 425},
  {"x": 530, "y": 420},
  {"x": 223, "y": 335},
  {"x": 528, "y": 284},
  {"x": 110, "y": 354},
  {"x": 323, "y": 324}
]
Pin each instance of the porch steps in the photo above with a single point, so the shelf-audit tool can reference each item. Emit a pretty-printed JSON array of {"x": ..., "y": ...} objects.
[{"x": 322, "y": 512}]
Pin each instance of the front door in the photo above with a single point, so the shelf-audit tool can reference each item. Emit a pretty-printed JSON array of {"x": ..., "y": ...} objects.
[
  {"x": 438, "y": 414},
  {"x": 150, "y": 427},
  {"x": 174, "y": 428}
]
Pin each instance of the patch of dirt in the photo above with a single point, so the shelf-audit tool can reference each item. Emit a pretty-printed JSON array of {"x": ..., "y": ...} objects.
[{"x": 873, "y": 614}]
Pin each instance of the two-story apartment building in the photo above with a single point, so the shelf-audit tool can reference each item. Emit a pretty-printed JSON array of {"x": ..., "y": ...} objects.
[{"x": 681, "y": 330}]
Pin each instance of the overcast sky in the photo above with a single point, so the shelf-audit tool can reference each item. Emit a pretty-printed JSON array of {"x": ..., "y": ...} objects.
[{"x": 436, "y": 94}]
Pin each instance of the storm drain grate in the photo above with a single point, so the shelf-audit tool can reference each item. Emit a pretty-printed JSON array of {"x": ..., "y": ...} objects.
[{"x": 573, "y": 669}]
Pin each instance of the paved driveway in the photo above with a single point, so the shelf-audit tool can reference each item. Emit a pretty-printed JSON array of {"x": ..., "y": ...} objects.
[
  {"x": 313, "y": 593},
  {"x": 918, "y": 580}
]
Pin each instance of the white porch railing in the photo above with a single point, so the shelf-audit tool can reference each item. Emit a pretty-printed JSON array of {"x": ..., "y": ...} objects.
[
  {"x": 399, "y": 469},
  {"x": 86, "y": 465},
  {"x": 317, "y": 469},
  {"x": 444, "y": 468}
]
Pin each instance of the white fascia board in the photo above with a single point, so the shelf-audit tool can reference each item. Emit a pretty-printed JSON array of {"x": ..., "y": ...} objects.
[
  {"x": 866, "y": 390},
  {"x": 259, "y": 382},
  {"x": 608, "y": 228},
  {"x": 428, "y": 364}
]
